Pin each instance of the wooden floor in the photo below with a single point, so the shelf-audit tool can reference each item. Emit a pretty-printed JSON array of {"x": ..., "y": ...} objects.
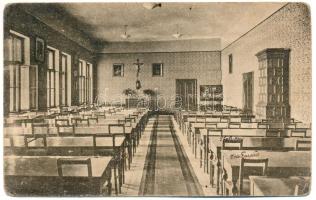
[{"x": 166, "y": 170}]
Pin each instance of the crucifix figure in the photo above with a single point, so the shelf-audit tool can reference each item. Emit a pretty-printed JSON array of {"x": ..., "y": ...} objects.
[
  {"x": 138, "y": 67},
  {"x": 138, "y": 64}
]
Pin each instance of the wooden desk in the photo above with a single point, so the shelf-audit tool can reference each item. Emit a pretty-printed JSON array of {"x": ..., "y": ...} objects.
[
  {"x": 249, "y": 143},
  {"x": 205, "y": 134},
  {"x": 270, "y": 186},
  {"x": 83, "y": 143},
  {"x": 292, "y": 163},
  {"x": 57, "y": 175},
  {"x": 72, "y": 146}
]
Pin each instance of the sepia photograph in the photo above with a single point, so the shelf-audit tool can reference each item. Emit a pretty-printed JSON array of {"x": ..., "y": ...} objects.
[{"x": 157, "y": 99}]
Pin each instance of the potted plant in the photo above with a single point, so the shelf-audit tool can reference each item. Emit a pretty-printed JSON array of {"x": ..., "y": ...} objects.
[
  {"x": 152, "y": 97},
  {"x": 132, "y": 97}
]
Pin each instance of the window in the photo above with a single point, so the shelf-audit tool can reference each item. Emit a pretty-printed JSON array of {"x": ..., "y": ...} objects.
[
  {"x": 51, "y": 78},
  {"x": 230, "y": 63},
  {"x": 14, "y": 57},
  {"x": 14, "y": 52},
  {"x": 82, "y": 81},
  {"x": 33, "y": 78},
  {"x": 89, "y": 83},
  {"x": 63, "y": 80},
  {"x": 20, "y": 78},
  {"x": 118, "y": 70},
  {"x": 157, "y": 69},
  {"x": 54, "y": 72},
  {"x": 85, "y": 82}
]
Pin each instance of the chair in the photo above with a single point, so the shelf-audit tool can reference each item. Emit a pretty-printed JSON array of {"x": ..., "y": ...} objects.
[
  {"x": 298, "y": 132},
  {"x": 81, "y": 122},
  {"x": 66, "y": 130},
  {"x": 214, "y": 132},
  {"x": 67, "y": 175},
  {"x": 40, "y": 128},
  {"x": 306, "y": 145},
  {"x": 244, "y": 184},
  {"x": 224, "y": 119},
  {"x": 100, "y": 114},
  {"x": 234, "y": 125},
  {"x": 32, "y": 148},
  {"x": 262, "y": 125},
  {"x": 246, "y": 120},
  {"x": 276, "y": 129},
  {"x": 86, "y": 116},
  {"x": 59, "y": 122},
  {"x": 92, "y": 120},
  {"x": 303, "y": 187},
  {"x": 229, "y": 143},
  {"x": 243, "y": 188},
  {"x": 211, "y": 125}
]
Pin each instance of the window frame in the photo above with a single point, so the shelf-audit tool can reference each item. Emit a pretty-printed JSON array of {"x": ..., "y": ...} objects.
[
  {"x": 161, "y": 69},
  {"x": 230, "y": 63},
  {"x": 11, "y": 38},
  {"x": 14, "y": 71},
  {"x": 89, "y": 82},
  {"x": 55, "y": 70},
  {"x": 63, "y": 78}
]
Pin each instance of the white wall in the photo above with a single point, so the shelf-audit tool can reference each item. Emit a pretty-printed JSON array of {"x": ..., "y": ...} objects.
[{"x": 287, "y": 28}]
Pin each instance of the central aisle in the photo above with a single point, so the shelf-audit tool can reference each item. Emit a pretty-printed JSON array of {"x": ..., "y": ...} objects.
[{"x": 167, "y": 170}]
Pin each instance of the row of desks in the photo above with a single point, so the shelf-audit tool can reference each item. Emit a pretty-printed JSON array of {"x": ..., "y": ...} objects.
[
  {"x": 15, "y": 119},
  {"x": 222, "y": 144},
  {"x": 52, "y": 164}
]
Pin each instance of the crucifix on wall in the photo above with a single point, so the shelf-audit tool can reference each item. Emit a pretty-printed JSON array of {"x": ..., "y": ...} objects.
[{"x": 138, "y": 64}]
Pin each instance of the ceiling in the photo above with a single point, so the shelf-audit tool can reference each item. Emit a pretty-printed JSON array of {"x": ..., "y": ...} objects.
[{"x": 105, "y": 22}]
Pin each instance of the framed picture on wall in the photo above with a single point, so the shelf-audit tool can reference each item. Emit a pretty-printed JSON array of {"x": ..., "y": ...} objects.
[
  {"x": 211, "y": 92},
  {"x": 39, "y": 49},
  {"x": 118, "y": 70}
]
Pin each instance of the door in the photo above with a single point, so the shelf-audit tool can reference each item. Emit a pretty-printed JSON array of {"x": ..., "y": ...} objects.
[
  {"x": 248, "y": 92},
  {"x": 186, "y": 95}
]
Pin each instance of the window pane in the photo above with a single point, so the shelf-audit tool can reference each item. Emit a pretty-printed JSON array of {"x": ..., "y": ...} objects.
[
  {"x": 83, "y": 69},
  {"x": 17, "y": 98},
  {"x": 12, "y": 99},
  {"x": 230, "y": 60},
  {"x": 47, "y": 81},
  {"x": 52, "y": 80},
  {"x": 63, "y": 63},
  {"x": 52, "y": 97},
  {"x": 80, "y": 68},
  {"x": 8, "y": 49},
  {"x": 17, "y": 49},
  {"x": 33, "y": 97},
  {"x": 50, "y": 59}
]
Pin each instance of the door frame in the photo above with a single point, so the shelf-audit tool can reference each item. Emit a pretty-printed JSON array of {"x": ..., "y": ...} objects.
[
  {"x": 195, "y": 94},
  {"x": 252, "y": 90}
]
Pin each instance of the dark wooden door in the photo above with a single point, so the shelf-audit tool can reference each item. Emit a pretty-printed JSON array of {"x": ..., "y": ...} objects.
[
  {"x": 248, "y": 92},
  {"x": 186, "y": 94}
]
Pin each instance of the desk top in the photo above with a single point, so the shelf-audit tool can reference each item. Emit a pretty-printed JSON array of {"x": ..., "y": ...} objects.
[
  {"x": 47, "y": 166},
  {"x": 257, "y": 142},
  {"x": 18, "y": 141},
  {"x": 293, "y": 159},
  {"x": 255, "y": 132},
  {"x": 269, "y": 186},
  {"x": 91, "y": 130}
]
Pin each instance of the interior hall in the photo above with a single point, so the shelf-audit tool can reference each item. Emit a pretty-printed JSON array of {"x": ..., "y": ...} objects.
[{"x": 157, "y": 99}]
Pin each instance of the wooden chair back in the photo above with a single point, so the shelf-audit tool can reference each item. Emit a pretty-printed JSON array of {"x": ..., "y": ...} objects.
[
  {"x": 232, "y": 143},
  {"x": 63, "y": 162},
  {"x": 253, "y": 163},
  {"x": 303, "y": 145}
]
